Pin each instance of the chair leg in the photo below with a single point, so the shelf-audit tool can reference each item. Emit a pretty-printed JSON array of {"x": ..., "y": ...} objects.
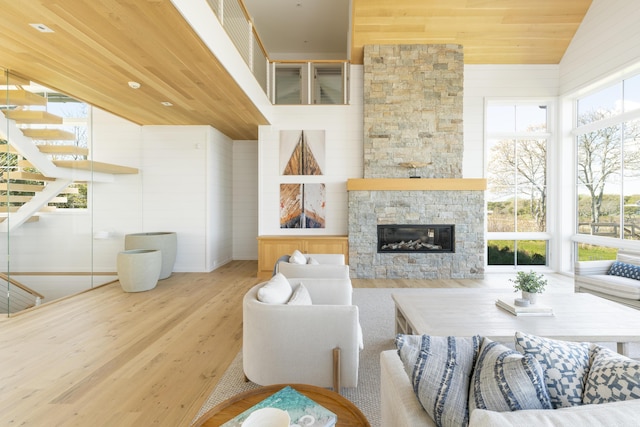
[{"x": 336, "y": 370}]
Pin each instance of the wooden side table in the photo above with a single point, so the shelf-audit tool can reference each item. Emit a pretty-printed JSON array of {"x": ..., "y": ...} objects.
[{"x": 348, "y": 414}]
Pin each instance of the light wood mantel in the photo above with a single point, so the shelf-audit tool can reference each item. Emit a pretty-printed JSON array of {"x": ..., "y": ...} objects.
[{"x": 416, "y": 184}]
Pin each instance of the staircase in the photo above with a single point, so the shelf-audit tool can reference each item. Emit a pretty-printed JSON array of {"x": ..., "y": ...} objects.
[{"x": 41, "y": 162}]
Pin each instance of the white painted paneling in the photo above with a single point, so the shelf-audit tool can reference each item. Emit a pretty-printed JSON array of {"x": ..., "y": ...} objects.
[
  {"x": 607, "y": 41},
  {"x": 177, "y": 187},
  {"x": 343, "y": 126},
  {"x": 220, "y": 200},
  {"x": 245, "y": 200}
]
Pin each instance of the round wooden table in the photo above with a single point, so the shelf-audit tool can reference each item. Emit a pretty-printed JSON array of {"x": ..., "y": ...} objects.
[{"x": 348, "y": 414}]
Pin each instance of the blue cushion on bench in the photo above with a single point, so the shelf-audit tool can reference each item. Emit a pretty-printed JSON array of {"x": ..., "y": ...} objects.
[{"x": 623, "y": 269}]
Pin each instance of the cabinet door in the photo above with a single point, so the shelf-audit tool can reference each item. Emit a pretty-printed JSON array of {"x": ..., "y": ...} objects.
[
  {"x": 272, "y": 249},
  {"x": 328, "y": 246}
]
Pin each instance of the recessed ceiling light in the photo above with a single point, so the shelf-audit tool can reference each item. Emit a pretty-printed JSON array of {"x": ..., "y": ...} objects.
[
  {"x": 42, "y": 28},
  {"x": 134, "y": 85},
  {"x": 166, "y": 104}
]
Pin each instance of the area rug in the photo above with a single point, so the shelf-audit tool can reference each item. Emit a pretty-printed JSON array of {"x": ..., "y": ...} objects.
[{"x": 376, "y": 317}]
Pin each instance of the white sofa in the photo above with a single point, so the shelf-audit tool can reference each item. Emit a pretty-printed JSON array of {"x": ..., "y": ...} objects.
[
  {"x": 295, "y": 343},
  {"x": 592, "y": 277},
  {"x": 401, "y": 408},
  {"x": 330, "y": 266}
]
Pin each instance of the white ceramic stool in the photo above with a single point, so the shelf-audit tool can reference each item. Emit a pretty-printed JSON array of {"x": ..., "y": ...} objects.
[
  {"x": 165, "y": 242},
  {"x": 139, "y": 269}
]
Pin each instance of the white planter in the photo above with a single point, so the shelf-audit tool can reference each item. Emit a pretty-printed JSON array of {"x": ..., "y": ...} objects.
[
  {"x": 165, "y": 242},
  {"x": 532, "y": 297},
  {"x": 139, "y": 269}
]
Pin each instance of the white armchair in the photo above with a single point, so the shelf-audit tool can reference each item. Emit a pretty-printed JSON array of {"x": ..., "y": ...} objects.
[
  {"x": 330, "y": 266},
  {"x": 295, "y": 343}
]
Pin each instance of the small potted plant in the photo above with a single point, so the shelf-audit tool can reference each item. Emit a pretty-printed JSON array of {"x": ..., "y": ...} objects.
[{"x": 531, "y": 284}]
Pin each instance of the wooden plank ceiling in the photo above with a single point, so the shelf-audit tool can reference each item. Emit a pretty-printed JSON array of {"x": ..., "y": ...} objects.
[
  {"x": 98, "y": 46},
  {"x": 491, "y": 31}
]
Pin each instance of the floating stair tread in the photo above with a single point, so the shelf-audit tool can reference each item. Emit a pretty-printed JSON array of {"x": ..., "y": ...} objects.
[
  {"x": 90, "y": 165},
  {"x": 63, "y": 149},
  {"x": 12, "y": 198},
  {"x": 24, "y": 97},
  {"x": 14, "y": 186},
  {"x": 31, "y": 219},
  {"x": 26, "y": 176},
  {"x": 49, "y": 134},
  {"x": 15, "y": 80},
  {"x": 29, "y": 117}
]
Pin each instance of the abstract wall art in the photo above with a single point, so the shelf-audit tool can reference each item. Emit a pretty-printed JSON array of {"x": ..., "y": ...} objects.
[
  {"x": 302, "y": 152},
  {"x": 302, "y": 206}
]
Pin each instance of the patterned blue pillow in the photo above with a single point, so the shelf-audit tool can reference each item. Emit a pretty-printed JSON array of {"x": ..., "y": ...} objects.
[
  {"x": 505, "y": 380},
  {"x": 612, "y": 377},
  {"x": 625, "y": 270},
  {"x": 439, "y": 369},
  {"x": 565, "y": 365}
]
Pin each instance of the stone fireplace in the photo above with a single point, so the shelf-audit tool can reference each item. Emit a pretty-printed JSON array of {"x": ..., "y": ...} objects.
[{"x": 413, "y": 97}]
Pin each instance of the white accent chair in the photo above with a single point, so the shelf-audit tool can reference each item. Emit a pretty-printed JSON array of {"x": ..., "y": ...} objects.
[
  {"x": 330, "y": 266},
  {"x": 295, "y": 343}
]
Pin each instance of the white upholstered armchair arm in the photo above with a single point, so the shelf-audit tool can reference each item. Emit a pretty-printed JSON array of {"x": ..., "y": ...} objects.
[{"x": 586, "y": 268}]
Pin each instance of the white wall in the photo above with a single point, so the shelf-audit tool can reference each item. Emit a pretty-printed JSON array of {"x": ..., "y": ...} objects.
[
  {"x": 219, "y": 196},
  {"x": 343, "y": 126},
  {"x": 186, "y": 188},
  {"x": 245, "y": 200},
  {"x": 607, "y": 41}
]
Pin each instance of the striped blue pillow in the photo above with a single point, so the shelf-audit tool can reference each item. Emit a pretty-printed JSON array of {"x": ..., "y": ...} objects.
[
  {"x": 439, "y": 369},
  {"x": 623, "y": 269},
  {"x": 505, "y": 380}
]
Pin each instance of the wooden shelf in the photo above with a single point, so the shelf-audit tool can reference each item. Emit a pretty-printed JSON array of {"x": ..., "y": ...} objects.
[{"x": 416, "y": 184}]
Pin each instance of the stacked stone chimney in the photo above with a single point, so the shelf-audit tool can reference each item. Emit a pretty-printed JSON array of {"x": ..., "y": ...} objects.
[{"x": 413, "y": 98}]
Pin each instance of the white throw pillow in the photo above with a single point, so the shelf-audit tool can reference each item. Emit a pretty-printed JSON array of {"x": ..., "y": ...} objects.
[
  {"x": 312, "y": 261},
  {"x": 275, "y": 291},
  {"x": 300, "y": 296},
  {"x": 297, "y": 257}
]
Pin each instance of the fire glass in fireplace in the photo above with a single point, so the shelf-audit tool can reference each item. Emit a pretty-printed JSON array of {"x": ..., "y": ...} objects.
[{"x": 416, "y": 238}]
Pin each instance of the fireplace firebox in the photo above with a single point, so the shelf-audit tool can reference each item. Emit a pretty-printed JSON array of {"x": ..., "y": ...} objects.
[{"x": 421, "y": 238}]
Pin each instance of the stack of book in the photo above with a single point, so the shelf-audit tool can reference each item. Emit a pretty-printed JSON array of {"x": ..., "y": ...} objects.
[
  {"x": 302, "y": 410},
  {"x": 531, "y": 310}
]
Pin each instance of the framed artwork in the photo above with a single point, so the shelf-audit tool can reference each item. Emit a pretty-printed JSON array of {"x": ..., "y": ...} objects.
[
  {"x": 302, "y": 152},
  {"x": 302, "y": 206}
]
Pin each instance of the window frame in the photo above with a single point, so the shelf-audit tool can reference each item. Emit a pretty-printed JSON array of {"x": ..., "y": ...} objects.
[{"x": 549, "y": 135}]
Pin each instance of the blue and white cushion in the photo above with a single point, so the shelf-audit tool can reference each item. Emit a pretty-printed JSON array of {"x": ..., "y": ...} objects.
[
  {"x": 565, "y": 365},
  {"x": 612, "y": 377},
  {"x": 505, "y": 380},
  {"x": 439, "y": 369},
  {"x": 623, "y": 269}
]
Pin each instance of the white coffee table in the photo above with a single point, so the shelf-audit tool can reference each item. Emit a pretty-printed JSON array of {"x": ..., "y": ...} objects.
[{"x": 467, "y": 312}]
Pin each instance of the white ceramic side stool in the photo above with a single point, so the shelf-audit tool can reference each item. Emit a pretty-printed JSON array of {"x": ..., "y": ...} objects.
[
  {"x": 165, "y": 242},
  {"x": 139, "y": 269}
]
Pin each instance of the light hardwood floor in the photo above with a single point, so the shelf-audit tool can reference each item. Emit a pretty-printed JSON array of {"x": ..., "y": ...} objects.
[{"x": 109, "y": 358}]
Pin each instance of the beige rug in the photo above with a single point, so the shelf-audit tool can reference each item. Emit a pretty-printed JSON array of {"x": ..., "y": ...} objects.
[{"x": 377, "y": 320}]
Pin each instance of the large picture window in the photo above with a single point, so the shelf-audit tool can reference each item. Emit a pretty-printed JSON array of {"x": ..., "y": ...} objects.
[
  {"x": 608, "y": 161},
  {"x": 517, "y": 143}
]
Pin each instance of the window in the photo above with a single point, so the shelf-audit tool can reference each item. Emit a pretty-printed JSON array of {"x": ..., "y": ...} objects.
[
  {"x": 517, "y": 142},
  {"x": 608, "y": 162}
]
